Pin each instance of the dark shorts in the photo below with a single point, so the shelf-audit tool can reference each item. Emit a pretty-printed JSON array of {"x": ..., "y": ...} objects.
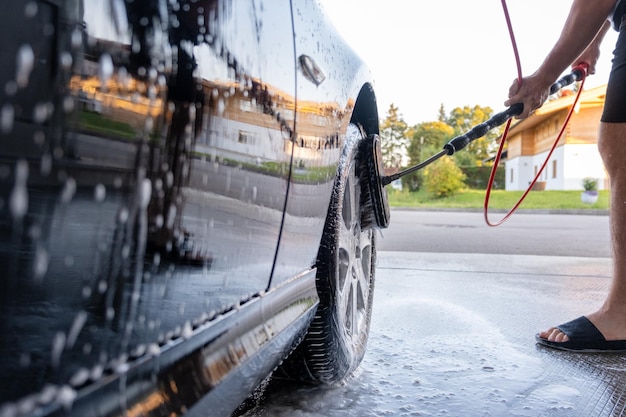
[{"x": 615, "y": 102}]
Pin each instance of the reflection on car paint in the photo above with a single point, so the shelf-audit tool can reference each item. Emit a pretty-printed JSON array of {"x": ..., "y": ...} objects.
[{"x": 150, "y": 161}]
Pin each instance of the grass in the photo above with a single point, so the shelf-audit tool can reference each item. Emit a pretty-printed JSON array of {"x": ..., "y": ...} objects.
[
  {"x": 97, "y": 123},
  {"x": 500, "y": 199}
]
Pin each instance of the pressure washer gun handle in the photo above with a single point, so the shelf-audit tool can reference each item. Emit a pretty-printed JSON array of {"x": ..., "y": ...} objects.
[
  {"x": 456, "y": 144},
  {"x": 478, "y": 131},
  {"x": 578, "y": 73}
]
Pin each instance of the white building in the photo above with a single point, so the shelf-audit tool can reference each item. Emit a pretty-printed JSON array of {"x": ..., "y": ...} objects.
[{"x": 576, "y": 155}]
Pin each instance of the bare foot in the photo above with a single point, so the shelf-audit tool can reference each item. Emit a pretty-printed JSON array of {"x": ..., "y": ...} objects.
[{"x": 554, "y": 335}]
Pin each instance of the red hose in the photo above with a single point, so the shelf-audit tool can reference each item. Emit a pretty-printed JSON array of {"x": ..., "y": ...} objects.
[{"x": 496, "y": 162}]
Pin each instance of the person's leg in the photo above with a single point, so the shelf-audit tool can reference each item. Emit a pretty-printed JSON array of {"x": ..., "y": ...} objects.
[{"x": 610, "y": 319}]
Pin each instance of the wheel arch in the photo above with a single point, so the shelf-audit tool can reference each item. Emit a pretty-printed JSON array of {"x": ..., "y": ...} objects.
[{"x": 365, "y": 111}]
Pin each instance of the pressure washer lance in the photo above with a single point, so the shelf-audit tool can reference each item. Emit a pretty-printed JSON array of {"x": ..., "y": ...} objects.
[{"x": 478, "y": 131}]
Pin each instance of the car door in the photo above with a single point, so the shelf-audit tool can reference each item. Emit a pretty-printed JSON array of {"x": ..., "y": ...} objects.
[
  {"x": 144, "y": 157},
  {"x": 326, "y": 75}
]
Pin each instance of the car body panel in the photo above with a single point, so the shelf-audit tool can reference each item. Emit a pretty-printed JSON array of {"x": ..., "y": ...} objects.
[
  {"x": 324, "y": 111},
  {"x": 165, "y": 173}
]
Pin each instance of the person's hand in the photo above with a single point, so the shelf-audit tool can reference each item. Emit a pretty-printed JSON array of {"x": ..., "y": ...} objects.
[{"x": 532, "y": 93}]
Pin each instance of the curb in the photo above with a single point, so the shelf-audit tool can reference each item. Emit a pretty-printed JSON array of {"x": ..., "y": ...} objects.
[{"x": 579, "y": 212}]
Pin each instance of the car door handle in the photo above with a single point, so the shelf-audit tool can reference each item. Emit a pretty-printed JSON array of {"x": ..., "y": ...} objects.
[{"x": 311, "y": 70}]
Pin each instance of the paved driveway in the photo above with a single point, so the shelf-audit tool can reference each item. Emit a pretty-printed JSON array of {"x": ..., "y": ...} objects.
[{"x": 453, "y": 335}]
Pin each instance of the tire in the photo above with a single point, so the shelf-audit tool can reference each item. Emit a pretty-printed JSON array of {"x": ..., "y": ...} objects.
[{"x": 337, "y": 338}]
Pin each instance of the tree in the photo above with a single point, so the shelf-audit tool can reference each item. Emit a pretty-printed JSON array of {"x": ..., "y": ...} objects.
[
  {"x": 428, "y": 135},
  {"x": 462, "y": 119},
  {"x": 426, "y": 140},
  {"x": 394, "y": 138},
  {"x": 442, "y": 114},
  {"x": 443, "y": 178}
]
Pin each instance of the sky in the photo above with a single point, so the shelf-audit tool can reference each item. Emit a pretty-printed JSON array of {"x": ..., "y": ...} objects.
[{"x": 457, "y": 52}]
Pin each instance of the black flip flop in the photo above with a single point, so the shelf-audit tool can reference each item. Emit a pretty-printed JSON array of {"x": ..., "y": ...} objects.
[{"x": 583, "y": 337}]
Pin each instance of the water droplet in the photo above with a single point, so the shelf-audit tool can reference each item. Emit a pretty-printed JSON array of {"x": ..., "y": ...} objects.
[
  {"x": 24, "y": 65},
  {"x": 105, "y": 70},
  {"x": 187, "y": 331},
  {"x": 140, "y": 350},
  {"x": 58, "y": 343},
  {"x": 220, "y": 106},
  {"x": 7, "y": 118},
  {"x": 69, "y": 189},
  {"x": 86, "y": 292},
  {"x": 171, "y": 217},
  {"x": 24, "y": 360},
  {"x": 8, "y": 410},
  {"x": 42, "y": 258},
  {"x": 66, "y": 397},
  {"x": 26, "y": 405},
  {"x": 77, "y": 39},
  {"x": 34, "y": 232},
  {"x": 110, "y": 314},
  {"x": 149, "y": 124},
  {"x": 122, "y": 216},
  {"x": 153, "y": 349},
  {"x": 46, "y": 164},
  {"x": 66, "y": 60},
  {"x": 47, "y": 394},
  {"x": 31, "y": 9},
  {"x": 68, "y": 104},
  {"x": 18, "y": 201},
  {"x": 144, "y": 193},
  {"x": 100, "y": 193},
  {"x": 169, "y": 179},
  {"x": 136, "y": 46},
  {"x": 39, "y": 137},
  {"x": 10, "y": 88},
  {"x": 96, "y": 372},
  {"x": 79, "y": 378},
  {"x": 48, "y": 29},
  {"x": 125, "y": 251},
  {"x": 42, "y": 111},
  {"x": 77, "y": 326}
]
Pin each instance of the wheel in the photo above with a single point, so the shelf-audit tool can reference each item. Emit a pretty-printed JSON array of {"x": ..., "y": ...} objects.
[{"x": 336, "y": 340}]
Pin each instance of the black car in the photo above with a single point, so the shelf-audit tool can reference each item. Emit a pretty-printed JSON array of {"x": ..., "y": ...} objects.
[{"x": 188, "y": 204}]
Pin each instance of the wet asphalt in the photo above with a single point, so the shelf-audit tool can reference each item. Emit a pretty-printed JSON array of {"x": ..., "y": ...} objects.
[{"x": 452, "y": 334}]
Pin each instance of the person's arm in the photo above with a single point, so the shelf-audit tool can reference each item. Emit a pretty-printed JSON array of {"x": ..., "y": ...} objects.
[
  {"x": 585, "y": 22},
  {"x": 592, "y": 53}
]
